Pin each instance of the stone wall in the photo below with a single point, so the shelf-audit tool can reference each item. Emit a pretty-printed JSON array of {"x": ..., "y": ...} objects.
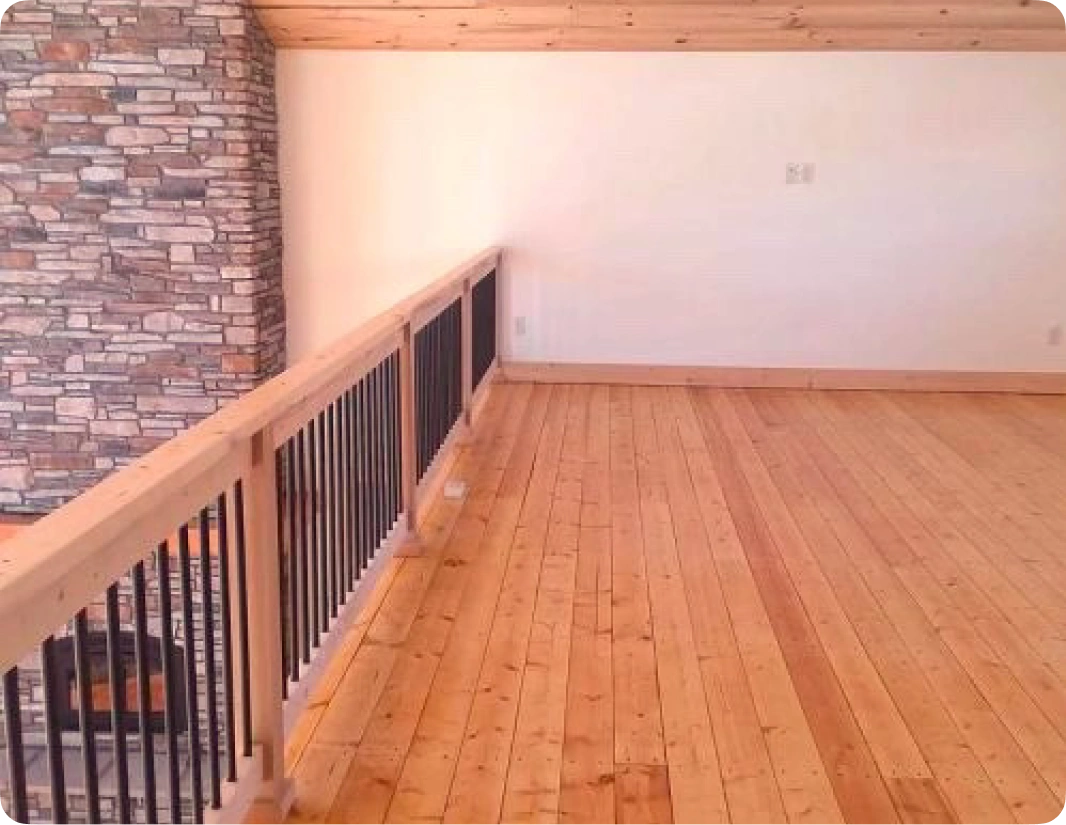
[{"x": 140, "y": 251}]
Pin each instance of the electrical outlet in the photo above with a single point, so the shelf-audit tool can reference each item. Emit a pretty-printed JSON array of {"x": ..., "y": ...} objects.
[
  {"x": 520, "y": 325},
  {"x": 1054, "y": 336},
  {"x": 455, "y": 489},
  {"x": 797, "y": 172}
]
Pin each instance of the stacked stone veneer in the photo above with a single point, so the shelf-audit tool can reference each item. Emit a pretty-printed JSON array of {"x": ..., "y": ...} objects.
[{"x": 140, "y": 252}]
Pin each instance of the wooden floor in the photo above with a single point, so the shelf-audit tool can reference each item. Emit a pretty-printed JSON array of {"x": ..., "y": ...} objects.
[{"x": 699, "y": 605}]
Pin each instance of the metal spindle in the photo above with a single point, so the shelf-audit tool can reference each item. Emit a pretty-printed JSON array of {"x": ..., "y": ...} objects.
[
  {"x": 144, "y": 693},
  {"x": 170, "y": 710},
  {"x": 53, "y": 733},
  {"x": 228, "y": 725},
  {"x": 292, "y": 566},
  {"x": 16, "y": 757},
  {"x": 192, "y": 709},
  {"x": 117, "y": 683},
  {"x": 83, "y": 677},
  {"x": 349, "y": 492},
  {"x": 242, "y": 618},
  {"x": 316, "y": 505},
  {"x": 279, "y": 479},
  {"x": 323, "y": 524},
  {"x": 372, "y": 455},
  {"x": 331, "y": 512},
  {"x": 342, "y": 494},
  {"x": 210, "y": 671},
  {"x": 305, "y": 587}
]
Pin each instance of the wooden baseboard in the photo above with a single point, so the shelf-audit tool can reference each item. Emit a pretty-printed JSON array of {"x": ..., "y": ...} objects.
[{"x": 1037, "y": 383}]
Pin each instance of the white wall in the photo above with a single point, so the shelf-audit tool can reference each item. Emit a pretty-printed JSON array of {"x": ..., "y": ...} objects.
[{"x": 643, "y": 202}]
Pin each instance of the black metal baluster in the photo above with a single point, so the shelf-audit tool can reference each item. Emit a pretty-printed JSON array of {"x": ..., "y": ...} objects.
[
  {"x": 379, "y": 454},
  {"x": 279, "y": 482},
  {"x": 420, "y": 401},
  {"x": 386, "y": 424},
  {"x": 170, "y": 710},
  {"x": 228, "y": 723},
  {"x": 372, "y": 459},
  {"x": 316, "y": 509},
  {"x": 342, "y": 510},
  {"x": 305, "y": 594},
  {"x": 53, "y": 733},
  {"x": 242, "y": 617},
  {"x": 144, "y": 694},
  {"x": 449, "y": 357},
  {"x": 192, "y": 707},
  {"x": 353, "y": 490},
  {"x": 116, "y": 674},
  {"x": 457, "y": 363},
  {"x": 323, "y": 524},
  {"x": 292, "y": 567},
  {"x": 349, "y": 490},
  {"x": 210, "y": 670},
  {"x": 339, "y": 516},
  {"x": 360, "y": 480},
  {"x": 432, "y": 394},
  {"x": 83, "y": 671},
  {"x": 16, "y": 757},
  {"x": 397, "y": 481},
  {"x": 331, "y": 458}
]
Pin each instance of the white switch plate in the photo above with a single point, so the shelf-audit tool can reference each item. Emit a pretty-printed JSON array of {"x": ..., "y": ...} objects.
[
  {"x": 799, "y": 172},
  {"x": 520, "y": 325}
]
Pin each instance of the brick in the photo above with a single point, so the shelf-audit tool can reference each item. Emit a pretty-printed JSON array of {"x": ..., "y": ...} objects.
[
  {"x": 115, "y": 429},
  {"x": 234, "y": 362},
  {"x": 16, "y": 478},
  {"x": 31, "y": 325},
  {"x": 95, "y": 80},
  {"x": 182, "y": 57},
  {"x": 27, "y": 120},
  {"x": 70, "y": 50},
  {"x": 137, "y": 136},
  {"x": 165, "y": 321},
  {"x": 75, "y": 407},
  {"x": 16, "y": 259},
  {"x": 179, "y": 234},
  {"x": 101, "y": 174},
  {"x": 176, "y": 404}
]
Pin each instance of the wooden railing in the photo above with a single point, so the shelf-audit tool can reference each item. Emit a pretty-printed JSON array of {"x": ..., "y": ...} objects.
[{"x": 173, "y": 619}]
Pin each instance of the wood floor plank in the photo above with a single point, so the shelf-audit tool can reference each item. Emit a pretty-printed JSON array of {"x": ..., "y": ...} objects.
[
  {"x": 367, "y": 791},
  {"x": 696, "y": 790},
  {"x": 679, "y": 604},
  {"x": 642, "y": 794},
  {"x": 638, "y": 730},
  {"x": 828, "y": 524},
  {"x": 802, "y": 777},
  {"x": 532, "y": 790},
  {"x": 481, "y": 770},
  {"x": 857, "y": 782},
  {"x": 587, "y": 775},
  {"x": 426, "y": 777},
  {"x": 1001, "y": 712}
]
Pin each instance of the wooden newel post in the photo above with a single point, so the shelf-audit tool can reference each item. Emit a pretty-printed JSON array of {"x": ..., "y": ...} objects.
[
  {"x": 467, "y": 350},
  {"x": 264, "y": 627},
  {"x": 408, "y": 435}
]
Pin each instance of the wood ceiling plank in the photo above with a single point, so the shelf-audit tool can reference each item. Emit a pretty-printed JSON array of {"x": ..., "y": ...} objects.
[{"x": 676, "y": 26}]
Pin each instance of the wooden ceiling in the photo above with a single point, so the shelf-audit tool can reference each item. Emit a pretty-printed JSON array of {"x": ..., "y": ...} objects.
[{"x": 647, "y": 25}]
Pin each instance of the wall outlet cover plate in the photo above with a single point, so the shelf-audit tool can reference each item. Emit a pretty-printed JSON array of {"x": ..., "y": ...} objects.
[{"x": 454, "y": 489}]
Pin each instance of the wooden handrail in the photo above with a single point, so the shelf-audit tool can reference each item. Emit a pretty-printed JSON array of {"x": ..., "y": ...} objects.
[{"x": 67, "y": 560}]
